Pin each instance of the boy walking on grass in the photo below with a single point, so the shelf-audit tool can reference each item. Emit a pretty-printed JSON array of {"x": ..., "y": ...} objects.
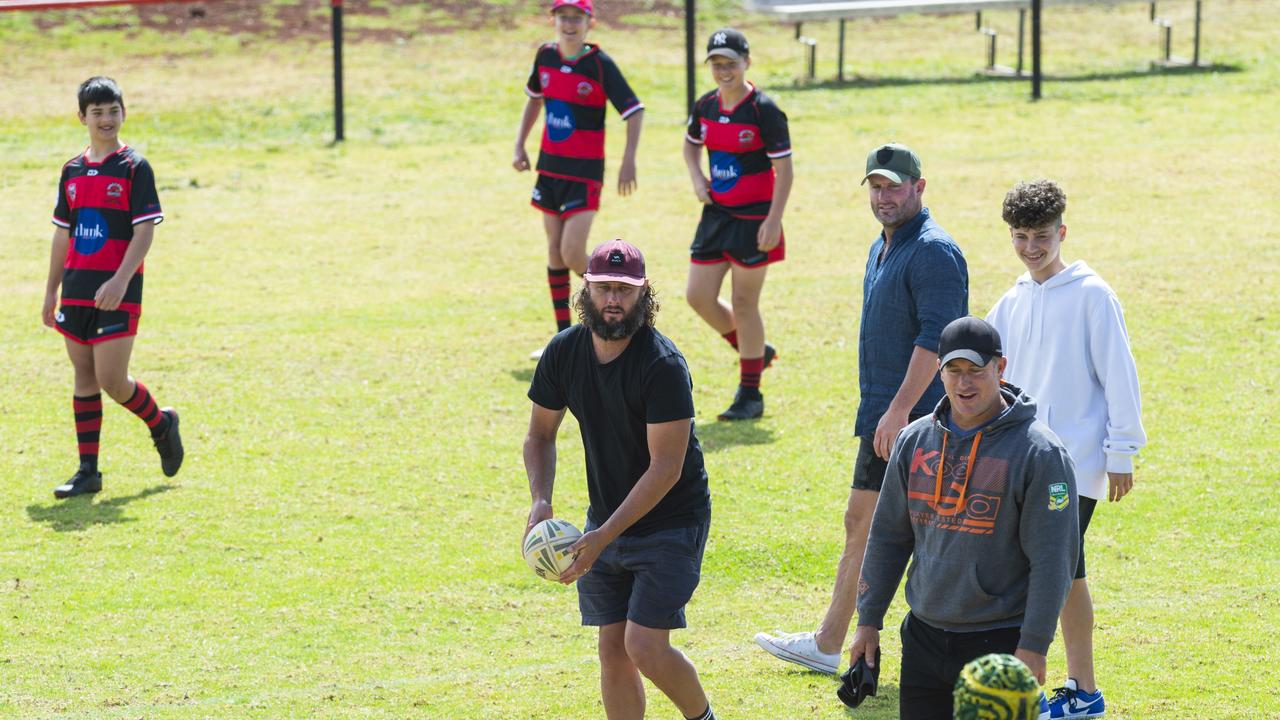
[
  {"x": 1067, "y": 345},
  {"x": 106, "y": 214},
  {"x": 573, "y": 79}
]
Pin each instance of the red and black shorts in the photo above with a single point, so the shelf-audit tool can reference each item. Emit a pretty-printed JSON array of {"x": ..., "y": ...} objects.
[
  {"x": 564, "y": 197},
  {"x": 88, "y": 325},
  {"x": 722, "y": 237}
]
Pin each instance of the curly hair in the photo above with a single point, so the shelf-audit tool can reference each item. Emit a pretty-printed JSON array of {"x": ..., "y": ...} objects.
[
  {"x": 1034, "y": 204},
  {"x": 649, "y": 301}
]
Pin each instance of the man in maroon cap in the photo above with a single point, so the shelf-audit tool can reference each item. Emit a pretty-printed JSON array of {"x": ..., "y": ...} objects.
[{"x": 640, "y": 557}]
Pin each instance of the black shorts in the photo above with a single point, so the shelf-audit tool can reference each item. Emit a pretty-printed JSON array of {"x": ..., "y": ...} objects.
[
  {"x": 87, "y": 325},
  {"x": 932, "y": 659},
  {"x": 721, "y": 237},
  {"x": 1087, "y": 504},
  {"x": 869, "y": 468},
  {"x": 647, "y": 579},
  {"x": 563, "y": 197}
]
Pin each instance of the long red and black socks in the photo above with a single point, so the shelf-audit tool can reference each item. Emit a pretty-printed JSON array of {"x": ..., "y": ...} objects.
[
  {"x": 558, "y": 280},
  {"x": 750, "y": 369},
  {"x": 88, "y": 413},
  {"x": 144, "y": 406}
]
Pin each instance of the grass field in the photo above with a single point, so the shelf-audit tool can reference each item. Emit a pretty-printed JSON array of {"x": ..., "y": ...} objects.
[{"x": 346, "y": 329}]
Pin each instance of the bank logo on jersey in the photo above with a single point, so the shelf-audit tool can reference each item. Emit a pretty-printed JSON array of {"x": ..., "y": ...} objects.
[
  {"x": 560, "y": 120},
  {"x": 90, "y": 232},
  {"x": 725, "y": 171}
]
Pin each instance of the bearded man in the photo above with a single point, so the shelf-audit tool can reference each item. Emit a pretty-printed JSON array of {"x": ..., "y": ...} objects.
[{"x": 640, "y": 557}]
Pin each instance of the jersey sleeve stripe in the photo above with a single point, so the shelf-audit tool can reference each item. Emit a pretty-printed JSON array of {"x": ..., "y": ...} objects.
[
  {"x": 531, "y": 93},
  {"x": 779, "y": 154},
  {"x": 157, "y": 216},
  {"x": 60, "y": 222},
  {"x": 633, "y": 110},
  {"x": 692, "y": 139}
]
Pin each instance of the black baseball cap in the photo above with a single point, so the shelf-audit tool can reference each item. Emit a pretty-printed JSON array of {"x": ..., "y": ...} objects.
[
  {"x": 729, "y": 43},
  {"x": 970, "y": 338}
]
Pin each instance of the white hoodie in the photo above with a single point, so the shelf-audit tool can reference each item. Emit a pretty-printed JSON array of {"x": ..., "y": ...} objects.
[{"x": 1067, "y": 347}]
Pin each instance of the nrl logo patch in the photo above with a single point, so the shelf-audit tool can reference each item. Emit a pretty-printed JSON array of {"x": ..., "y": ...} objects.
[{"x": 1059, "y": 498}]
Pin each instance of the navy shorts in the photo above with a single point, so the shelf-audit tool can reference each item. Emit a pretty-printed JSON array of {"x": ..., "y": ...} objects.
[
  {"x": 721, "y": 237},
  {"x": 88, "y": 325},
  {"x": 647, "y": 579},
  {"x": 869, "y": 468},
  {"x": 1087, "y": 504},
  {"x": 564, "y": 197}
]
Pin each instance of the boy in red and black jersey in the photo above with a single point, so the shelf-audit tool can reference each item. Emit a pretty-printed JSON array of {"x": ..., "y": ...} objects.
[
  {"x": 573, "y": 80},
  {"x": 749, "y": 153},
  {"x": 105, "y": 215}
]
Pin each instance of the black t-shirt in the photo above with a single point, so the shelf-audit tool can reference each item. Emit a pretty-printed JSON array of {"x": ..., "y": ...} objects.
[{"x": 648, "y": 383}]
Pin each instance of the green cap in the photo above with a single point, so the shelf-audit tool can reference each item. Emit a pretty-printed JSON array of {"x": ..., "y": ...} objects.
[{"x": 894, "y": 161}]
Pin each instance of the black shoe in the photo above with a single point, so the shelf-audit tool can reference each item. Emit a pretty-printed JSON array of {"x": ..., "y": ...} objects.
[
  {"x": 770, "y": 352},
  {"x": 746, "y": 406},
  {"x": 83, "y": 482},
  {"x": 169, "y": 445}
]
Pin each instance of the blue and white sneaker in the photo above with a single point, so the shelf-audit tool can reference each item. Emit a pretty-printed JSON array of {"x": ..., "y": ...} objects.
[
  {"x": 1044, "y": 707},
  {"x": 1071, "y": 703}
]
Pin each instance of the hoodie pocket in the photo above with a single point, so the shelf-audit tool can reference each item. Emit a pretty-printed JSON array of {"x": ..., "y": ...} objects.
[{"x": 949, "y": 591}]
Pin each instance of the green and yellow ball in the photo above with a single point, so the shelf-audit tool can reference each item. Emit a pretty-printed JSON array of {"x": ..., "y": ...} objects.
[{"x": 997, "y": 687}]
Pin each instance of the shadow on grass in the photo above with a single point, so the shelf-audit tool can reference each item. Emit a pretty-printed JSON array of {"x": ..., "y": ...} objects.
[
  {"x": 81, "y": 512},
  {"x": 524, "y": 375},
  {"x": 880, "y": 82},
  {"x": 720, "y": 435}
]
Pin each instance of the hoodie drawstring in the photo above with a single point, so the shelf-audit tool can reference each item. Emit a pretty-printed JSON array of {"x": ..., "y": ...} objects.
[{"x": 968, "y": 472}]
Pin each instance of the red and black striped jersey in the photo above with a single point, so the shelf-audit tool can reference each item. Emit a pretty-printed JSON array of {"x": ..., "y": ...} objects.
[
  {"x": 99, "y": 203},
  {"x": 741, "y": 143},
  {"x": 574, "y": 94}
]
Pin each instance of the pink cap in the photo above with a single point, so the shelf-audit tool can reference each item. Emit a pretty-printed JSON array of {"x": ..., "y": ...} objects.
[
  {"x": 616, "y": 261},
  {"x": 583, "y": 5}
]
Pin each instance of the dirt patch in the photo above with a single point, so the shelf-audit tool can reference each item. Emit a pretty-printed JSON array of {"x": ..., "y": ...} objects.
[{"x": 400, "y": 19}]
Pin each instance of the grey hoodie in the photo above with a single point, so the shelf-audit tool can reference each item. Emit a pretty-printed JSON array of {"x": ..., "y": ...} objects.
[{"x": 996, "y": 551}]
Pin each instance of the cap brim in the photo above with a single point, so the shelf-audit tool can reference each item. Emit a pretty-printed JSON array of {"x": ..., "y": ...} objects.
[
  {"x": 972, "y": 356},
  {"x": 882, "y": 172},
  {"x": 609, "y": 277},
  {"x": 727, "y": 52}
]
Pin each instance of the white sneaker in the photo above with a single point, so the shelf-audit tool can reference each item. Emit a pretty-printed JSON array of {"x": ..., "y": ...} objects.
[{"x": 801, "y": 649}]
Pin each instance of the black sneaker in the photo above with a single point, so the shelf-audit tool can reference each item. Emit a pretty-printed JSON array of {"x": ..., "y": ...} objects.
[
  {"x": 746, "y": 406},
  {"x": 169, "y": 445},
  {"x": 83, "y": 482},
  {"x": 770, "y": 352}
]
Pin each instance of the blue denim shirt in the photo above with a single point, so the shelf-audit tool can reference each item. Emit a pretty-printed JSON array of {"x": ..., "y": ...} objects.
[{"x": 921, "y": 285}]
